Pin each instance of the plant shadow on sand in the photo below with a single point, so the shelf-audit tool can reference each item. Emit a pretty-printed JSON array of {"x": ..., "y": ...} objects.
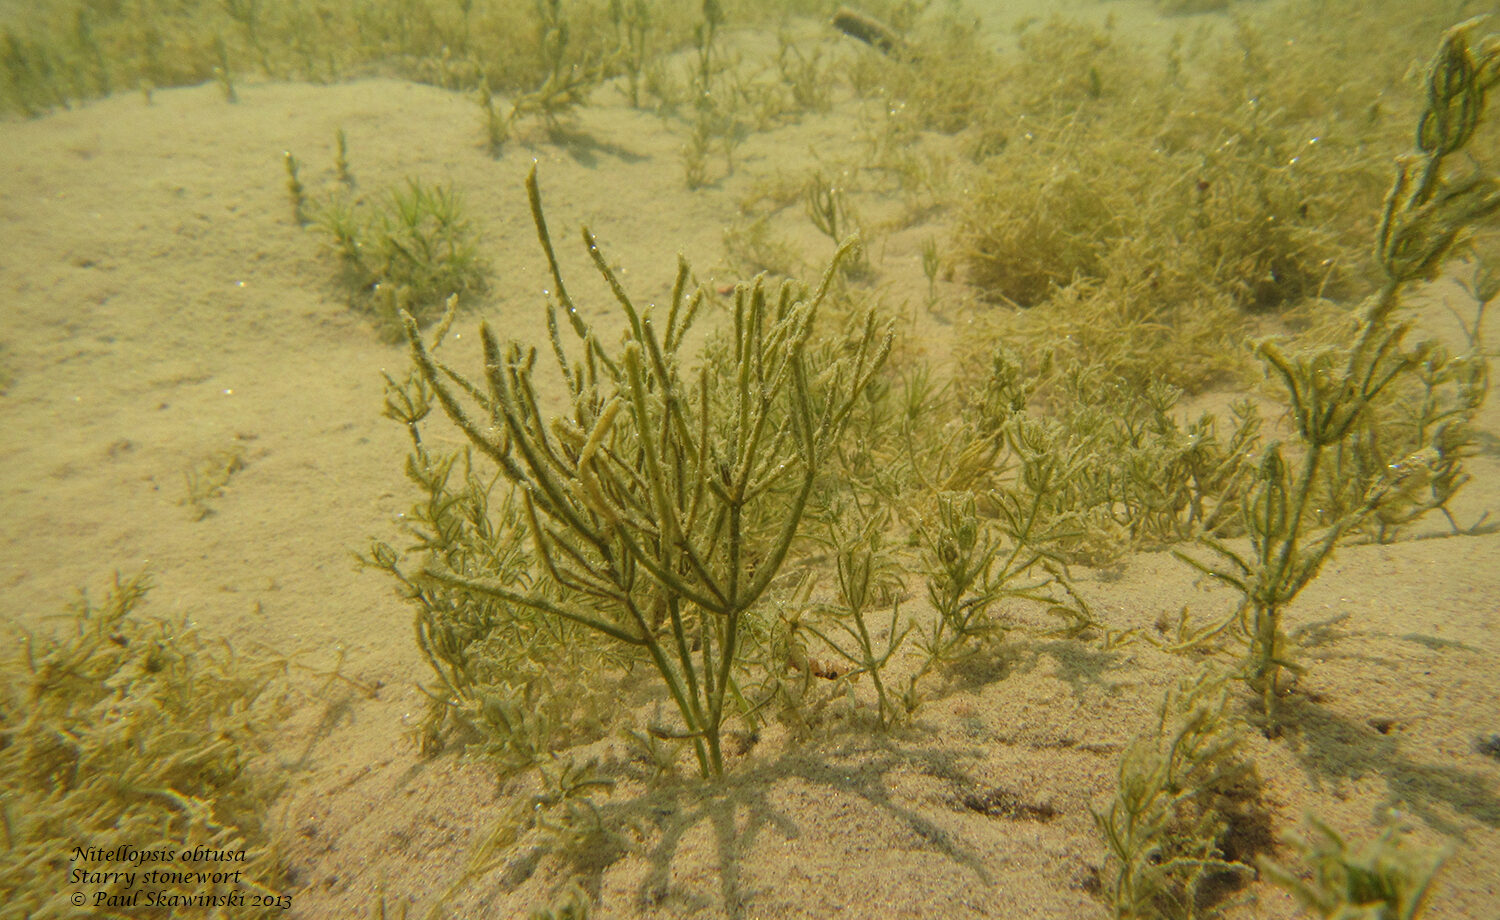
[
  {"x": 689, "y": 837},
  {"x": 1333, "y": 748},
  {"x": 586, "y": 149},
  {"x": 743, "y": 806}
]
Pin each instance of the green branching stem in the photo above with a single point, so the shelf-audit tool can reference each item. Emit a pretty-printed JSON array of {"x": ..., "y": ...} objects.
[
  {"x": 1426, "y": 211},
  {"x": 662, "y": 510}
]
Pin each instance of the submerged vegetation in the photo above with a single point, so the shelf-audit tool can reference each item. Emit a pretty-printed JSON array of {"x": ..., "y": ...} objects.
[
  {"x": 409, "y": 249},
  {"x": 1388, "y": 877},
  {"x": 1173, "y": 847},
  {"x": 1390, "y": 470},
  {"x": 655, "y": 521},
  {"x": 123, "y": 734},
  {"x": 661, "y": 507},
  {"x": 802, "y": 525}
]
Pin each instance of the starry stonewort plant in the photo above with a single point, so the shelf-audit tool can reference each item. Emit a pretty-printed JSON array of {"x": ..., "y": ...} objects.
[
  {"x": 663, "y": 502},
  {"x": 1334, "y": 393}
]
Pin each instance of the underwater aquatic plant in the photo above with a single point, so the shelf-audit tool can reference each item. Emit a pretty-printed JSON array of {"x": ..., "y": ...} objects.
[
  {"x": 1168, "y": 826},
  {"x": 568, "y": 74},
  {"x": 408, "y": 250},
  {"x": 510, "y": 683},
  {"x": 1335, "y": 391},
  {"x": 294, "y": 187},
  {"x": 122, "y": 731},
  {"x": 1383, "y": 879},
  {"x": 661, "y": 507},
  {"x": 866, "y": 575}
]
